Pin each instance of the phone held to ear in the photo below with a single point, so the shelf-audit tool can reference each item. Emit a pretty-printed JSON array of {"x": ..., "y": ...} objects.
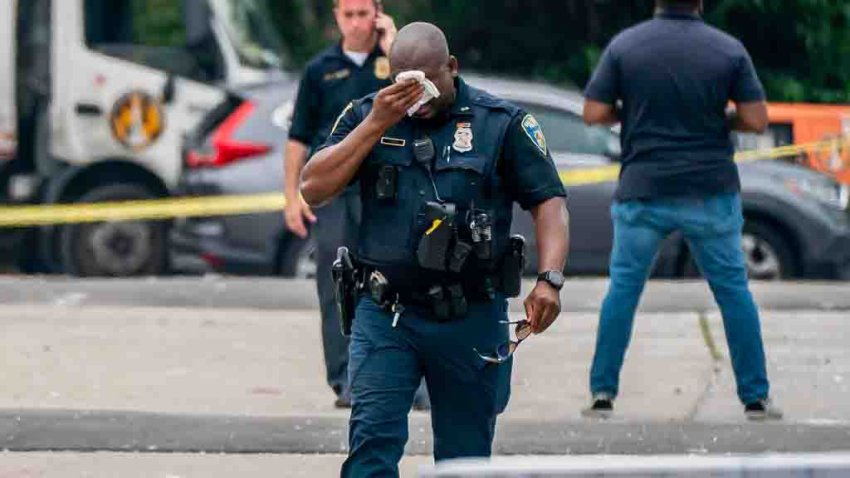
[{"x": 380, "y": 8}]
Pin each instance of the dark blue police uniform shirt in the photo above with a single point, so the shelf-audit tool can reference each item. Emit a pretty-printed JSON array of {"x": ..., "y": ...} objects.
[
  {"x": 528, "y": 171},
  {"x": 331, "y": 80},
  {"x": 504, "y": 144},
  {"x": 675, "y": 76}
]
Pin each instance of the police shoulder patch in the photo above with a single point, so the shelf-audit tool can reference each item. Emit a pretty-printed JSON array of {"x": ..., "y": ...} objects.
[{"x": 535, "y": 132}]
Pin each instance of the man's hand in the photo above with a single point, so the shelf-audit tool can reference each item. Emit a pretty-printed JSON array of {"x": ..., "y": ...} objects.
[
  {"x": 294, "y": 214},
  {"x": 391, "y": 104},
  {"x": 386, "y": 29},
  {"x": 542, "y": 307}
]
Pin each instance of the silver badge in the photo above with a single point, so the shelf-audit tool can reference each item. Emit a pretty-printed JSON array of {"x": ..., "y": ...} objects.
[{"x": 463, "y": 138}]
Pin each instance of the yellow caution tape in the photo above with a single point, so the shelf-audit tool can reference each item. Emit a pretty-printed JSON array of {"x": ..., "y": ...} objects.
[
  {"x": 153, "y": 209},
  {"x": 208, "y": 206},
  {"x": 585, "y": 176},
  {"x": 606, "y": 174}
]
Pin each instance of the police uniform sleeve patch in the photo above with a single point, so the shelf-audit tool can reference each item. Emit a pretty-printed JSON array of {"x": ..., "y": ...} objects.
[{"x": 535, "y": 132}]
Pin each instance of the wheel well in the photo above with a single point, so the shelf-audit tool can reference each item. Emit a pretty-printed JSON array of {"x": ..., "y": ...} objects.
[{"x": 111, "y": 172}]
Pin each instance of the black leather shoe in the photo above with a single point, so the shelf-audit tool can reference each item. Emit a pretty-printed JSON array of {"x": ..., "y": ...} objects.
[
  {"x": 342, "y": 402},
  {"x": 762, "y": 410},
  {"x": 602, "y": 407}
]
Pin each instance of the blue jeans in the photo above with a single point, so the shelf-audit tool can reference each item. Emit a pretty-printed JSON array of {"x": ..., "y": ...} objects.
[
  {"x": 387, "y": 364},
  {"x": 712, "y": 228}
]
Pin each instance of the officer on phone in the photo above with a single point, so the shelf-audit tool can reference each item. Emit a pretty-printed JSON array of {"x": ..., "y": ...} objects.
[
  {"x": 438, "y": 178},
  {"x": 349, "y": 69}
]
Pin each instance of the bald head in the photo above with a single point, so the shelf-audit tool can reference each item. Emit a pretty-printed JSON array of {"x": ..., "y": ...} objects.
[
  {"x": 423, "y": 46},
  {"x": 419, "y": 46}
]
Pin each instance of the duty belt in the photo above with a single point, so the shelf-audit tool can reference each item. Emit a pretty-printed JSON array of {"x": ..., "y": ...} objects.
[{"x": 448, "y": 300}]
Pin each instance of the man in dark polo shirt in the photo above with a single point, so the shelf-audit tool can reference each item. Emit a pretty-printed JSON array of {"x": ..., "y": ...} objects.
[
  {"x": 669, "y": 81},
  {"x": 350, "y": 69}
]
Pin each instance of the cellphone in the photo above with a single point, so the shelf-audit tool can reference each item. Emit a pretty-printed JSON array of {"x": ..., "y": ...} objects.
[{"x": 379, "y": 4}]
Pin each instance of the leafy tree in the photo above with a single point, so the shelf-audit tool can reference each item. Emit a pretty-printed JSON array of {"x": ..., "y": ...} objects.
[{"x": 801, "y": 47}]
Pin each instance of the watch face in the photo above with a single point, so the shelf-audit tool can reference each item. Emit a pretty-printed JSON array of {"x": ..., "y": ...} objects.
[{"x": 555, "y": 278}]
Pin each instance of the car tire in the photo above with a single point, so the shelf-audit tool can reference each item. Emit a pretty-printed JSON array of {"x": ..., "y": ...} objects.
[
  {"x": 767, "y": 253},
  {"x": 115, "y": 249},
  {"x": 297, "y": 258}
]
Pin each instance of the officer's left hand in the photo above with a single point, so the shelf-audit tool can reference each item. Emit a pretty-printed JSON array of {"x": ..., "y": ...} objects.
[
  {"x": 385, "y": 26},
  {"x": 542, "y": 307}
]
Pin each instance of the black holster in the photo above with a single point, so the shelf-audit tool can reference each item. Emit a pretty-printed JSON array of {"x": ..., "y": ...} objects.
[
  {"x": 346, "y": 288},
  {"x": 513, "y": 266}
]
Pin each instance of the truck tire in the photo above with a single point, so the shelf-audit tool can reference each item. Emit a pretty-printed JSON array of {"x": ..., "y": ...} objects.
[{"x": 115, "y": 249}]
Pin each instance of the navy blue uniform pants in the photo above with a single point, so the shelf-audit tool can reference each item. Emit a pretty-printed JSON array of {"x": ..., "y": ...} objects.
[{"x": 386, "y": 365}]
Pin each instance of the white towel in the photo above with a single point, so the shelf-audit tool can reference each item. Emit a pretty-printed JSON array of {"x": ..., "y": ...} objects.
[{"x": 431, "y": 90}]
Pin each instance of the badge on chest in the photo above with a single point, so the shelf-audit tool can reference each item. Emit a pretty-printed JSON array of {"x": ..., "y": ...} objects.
[{"x": 463, "y": 138}]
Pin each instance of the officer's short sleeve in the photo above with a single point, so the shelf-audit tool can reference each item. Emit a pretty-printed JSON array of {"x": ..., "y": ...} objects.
[
  {"x": 604, "y": 85},
  {"x": 344, "y": 124},
  {"x": 305, "y": 124},
  {"x": 746, "y": 86},
  {"x": 527, "y": 167}
]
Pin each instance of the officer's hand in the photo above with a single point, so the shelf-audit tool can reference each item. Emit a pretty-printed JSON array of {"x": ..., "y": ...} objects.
[
  {"x": 391, "y": 103},
  {"x": 542, "y": 307},
  {"x": 385, "y": 26},
  {"x": 294, "y": 213}
]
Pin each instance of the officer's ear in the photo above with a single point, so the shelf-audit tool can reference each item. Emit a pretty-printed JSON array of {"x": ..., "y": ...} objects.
[{"x": 453, "y": 66}]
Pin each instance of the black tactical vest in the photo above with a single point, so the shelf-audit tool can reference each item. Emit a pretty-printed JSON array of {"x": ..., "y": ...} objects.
[{"x": 465, "y": 171}]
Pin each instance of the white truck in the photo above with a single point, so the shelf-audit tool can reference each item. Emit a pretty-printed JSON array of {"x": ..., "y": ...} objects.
[
  {"x": 95, "y": 96},
  {"x": 8, "y": 144}
]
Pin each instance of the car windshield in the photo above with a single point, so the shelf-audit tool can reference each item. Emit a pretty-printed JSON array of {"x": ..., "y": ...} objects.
[{"x": 251, "y": 32}]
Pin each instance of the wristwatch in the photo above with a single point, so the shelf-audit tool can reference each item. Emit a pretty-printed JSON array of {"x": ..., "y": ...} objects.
[{"x": 553, "y": 278}]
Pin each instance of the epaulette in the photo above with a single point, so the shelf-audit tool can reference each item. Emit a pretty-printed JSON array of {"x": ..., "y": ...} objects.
[{"x": 482, "y": 98}]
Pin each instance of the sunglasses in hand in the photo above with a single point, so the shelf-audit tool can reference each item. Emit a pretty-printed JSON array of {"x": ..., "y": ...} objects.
[{"x": 506, "y": 350}]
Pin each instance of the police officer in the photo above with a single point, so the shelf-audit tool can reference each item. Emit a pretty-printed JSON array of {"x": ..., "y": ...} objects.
[
  {"x": 674, "y": 76},
  {"x": 435, "y": 294},
  {"x": 350, "y": 69}
]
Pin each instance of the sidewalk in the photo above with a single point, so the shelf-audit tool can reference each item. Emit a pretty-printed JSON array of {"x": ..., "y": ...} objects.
[
  {"x": 267, "y": 365},
  {"x": 85, "y": 377}
]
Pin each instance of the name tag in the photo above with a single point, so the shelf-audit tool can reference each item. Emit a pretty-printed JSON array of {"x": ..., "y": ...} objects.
[
  {"x": 398, "y": 143},
  {"x": 337, "y": 75}
]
